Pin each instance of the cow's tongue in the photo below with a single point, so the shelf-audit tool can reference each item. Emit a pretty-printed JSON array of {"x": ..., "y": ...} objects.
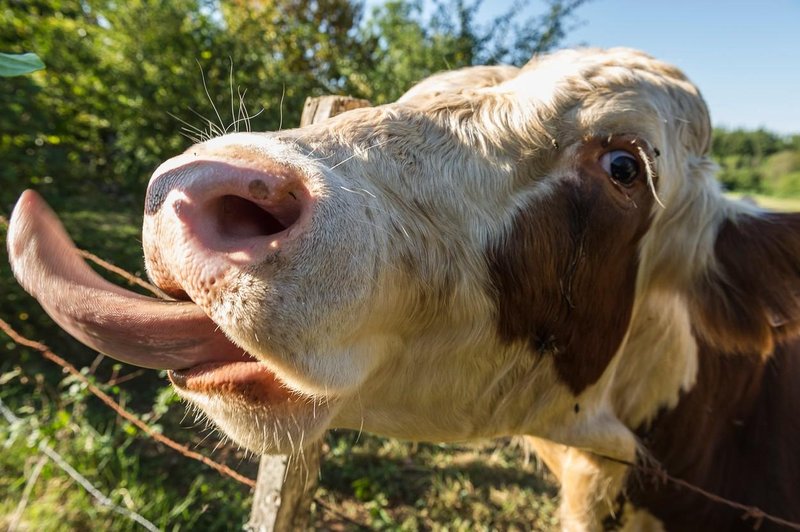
[{"x": 129, "y": 327}]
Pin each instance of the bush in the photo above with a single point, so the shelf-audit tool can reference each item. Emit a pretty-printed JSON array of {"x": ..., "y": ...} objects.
[{"x": 787, "y": 185}]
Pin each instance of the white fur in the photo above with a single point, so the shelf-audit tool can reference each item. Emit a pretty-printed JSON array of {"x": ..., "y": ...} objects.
[{"x": 387, "y": 319}]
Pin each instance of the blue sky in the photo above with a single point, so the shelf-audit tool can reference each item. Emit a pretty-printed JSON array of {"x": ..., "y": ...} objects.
[{"x": 744, "y": 55}]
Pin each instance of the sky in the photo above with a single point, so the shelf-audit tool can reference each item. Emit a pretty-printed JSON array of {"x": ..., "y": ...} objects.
[{"x": 743, "y": 54}]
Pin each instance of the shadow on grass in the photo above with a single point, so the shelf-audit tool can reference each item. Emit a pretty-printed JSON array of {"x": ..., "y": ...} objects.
[{"x": 362, "y": 471}]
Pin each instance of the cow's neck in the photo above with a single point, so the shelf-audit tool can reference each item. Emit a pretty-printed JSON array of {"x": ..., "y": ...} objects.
[
  {"x": 657, "y": 363},
  {"x": 735, "y": 433}
]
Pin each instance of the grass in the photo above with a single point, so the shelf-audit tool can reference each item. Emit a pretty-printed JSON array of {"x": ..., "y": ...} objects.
[
  {"x": 771, "y": 202},
  {"x": 131, "y": 470},
  {"x": 399, "y": 485},
  {"x": 380, "y": 483}
]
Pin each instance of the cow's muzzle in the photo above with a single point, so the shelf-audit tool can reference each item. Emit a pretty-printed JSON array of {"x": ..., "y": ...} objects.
[{"x": 210, "y": 216}]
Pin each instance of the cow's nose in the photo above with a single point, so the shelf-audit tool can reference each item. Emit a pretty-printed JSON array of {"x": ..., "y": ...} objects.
[{"x": 204, "y": 215}]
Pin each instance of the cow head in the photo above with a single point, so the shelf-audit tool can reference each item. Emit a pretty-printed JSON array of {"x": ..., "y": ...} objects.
[{"x": 502, "y": 251}]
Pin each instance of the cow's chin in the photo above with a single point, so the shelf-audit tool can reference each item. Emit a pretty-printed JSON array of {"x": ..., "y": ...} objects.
[{"x": 253, "y": 407}]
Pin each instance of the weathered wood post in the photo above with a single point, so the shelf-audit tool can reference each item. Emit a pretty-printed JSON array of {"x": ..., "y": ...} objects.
[{"x": 285, "y": 488}]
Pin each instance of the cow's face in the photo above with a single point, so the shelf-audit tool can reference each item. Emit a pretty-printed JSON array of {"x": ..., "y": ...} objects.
[
  {"x": 461, "y": 263},
  {"x": 490, "y": 255}
]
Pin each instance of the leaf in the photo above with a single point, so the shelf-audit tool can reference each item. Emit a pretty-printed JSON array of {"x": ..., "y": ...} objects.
[
  {"x": 6, "y": 377},
  {"x": 19, "y": 64},
  {"x": 61, "y": 419}
]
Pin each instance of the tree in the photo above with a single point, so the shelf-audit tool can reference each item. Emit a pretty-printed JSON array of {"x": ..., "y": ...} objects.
[
  {"x": 103, "y": 114},
  {"x": 404, "y": 46},
  {"x": 757, "y": 161}
]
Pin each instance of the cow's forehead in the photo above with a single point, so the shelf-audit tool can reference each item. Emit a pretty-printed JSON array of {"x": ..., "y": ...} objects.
[{"x": 509, "y": 114}]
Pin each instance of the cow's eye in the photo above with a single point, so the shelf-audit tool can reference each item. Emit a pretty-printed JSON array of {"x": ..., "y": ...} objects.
[{"x": 621, "y": 166}]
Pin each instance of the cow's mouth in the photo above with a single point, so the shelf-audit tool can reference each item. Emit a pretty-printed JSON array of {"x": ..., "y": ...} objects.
[
  {"x": 139, "y": 330},
  {"x": 248, "y": 380}
]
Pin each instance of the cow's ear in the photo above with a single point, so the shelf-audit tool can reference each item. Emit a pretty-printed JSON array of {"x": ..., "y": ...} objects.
[{"x": 749, "y": 296}]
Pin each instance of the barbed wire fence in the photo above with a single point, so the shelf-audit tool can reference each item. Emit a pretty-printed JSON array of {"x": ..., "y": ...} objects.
[
  {"x": 222, "y": 469},
  {"x": 748, "y": 512},
  {"x": 49, "y": 454},
  {"x": 116, "y": 407}
]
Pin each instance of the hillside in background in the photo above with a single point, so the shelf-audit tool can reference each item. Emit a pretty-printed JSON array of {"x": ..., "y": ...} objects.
[{"x": 758, "y": 162}]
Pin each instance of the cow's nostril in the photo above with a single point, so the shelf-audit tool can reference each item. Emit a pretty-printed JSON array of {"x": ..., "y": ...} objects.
[
  {"x": 241, "y": 218},
  {"x": 205, "y": 214}
]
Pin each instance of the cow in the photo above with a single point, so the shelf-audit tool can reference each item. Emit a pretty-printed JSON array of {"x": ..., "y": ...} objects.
[{"x": 542, "y": 251}]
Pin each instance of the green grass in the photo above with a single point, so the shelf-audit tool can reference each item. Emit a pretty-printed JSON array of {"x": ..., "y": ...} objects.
[
  {"x": 382, "y": 484},
  {"x": 771, "y": 202},
  {"x": 389, "y": 484},
  {"x": 129, "y": 468}
]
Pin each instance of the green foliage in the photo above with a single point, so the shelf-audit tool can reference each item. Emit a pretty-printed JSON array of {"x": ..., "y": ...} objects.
[
  {"x": 748, "y": 144},
  {"x": 781, "y": 172},
  {"x": 19, "y": 64},
  {"x": 99, "y": 119},
  {"x": 103, "y": 114},
  {"x": 403, "y": 46},
  {"x": 758, "y": 161},
  {"x": 786, "y": 185}
]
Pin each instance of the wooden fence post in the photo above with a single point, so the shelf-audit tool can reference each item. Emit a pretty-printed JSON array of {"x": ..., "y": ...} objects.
[
  {"x": 321, "y": 108},
  {"x": 285, "y": 488}
]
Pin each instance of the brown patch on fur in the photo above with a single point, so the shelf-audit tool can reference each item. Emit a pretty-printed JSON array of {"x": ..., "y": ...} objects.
[
  {"x": 565, "y": 276},
  {"x": 735, "y": 434},
  {"x": 752, "y": 300},
  {"x": 258, "y": 189}
]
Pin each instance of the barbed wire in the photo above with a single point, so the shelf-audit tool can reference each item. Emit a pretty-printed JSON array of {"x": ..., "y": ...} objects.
[
  {"x": 132, "y": 279},
  {"x": 57, "y": 459},
  {"x": 49, "y": 355},
  {"x": 659, "y": 473},
  {"x": 220, "y": 468},
  {"x": 751, "y": 512}
]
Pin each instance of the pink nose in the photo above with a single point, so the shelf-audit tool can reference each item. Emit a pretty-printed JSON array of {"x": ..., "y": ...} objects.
[{"x": 205, "y": 214}]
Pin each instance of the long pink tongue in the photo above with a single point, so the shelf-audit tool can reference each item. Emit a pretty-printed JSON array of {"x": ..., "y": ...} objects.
[{"x": 139, "y": 330}]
